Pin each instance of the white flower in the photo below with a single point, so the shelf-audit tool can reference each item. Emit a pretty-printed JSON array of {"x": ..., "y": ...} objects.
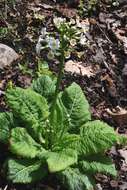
[
  {"x": 72, "y": 21},
  {"x": 43, "y": 32},
  {"x": 48, "y": 41},
  {"x": 72, "y": 42},
  {"x": 53, "y": 43},
  {"x": 67, "y": 54},
  {"x": 84, "y": 25},
  {"x": 58, "y": 21},
  {"x": 38, "y": 48},
  {"x": 83, "y": 39},
  {"x": 40, "y": 40}
]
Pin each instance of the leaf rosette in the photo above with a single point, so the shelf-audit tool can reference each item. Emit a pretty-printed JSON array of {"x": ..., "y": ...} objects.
[{"x": 67, "y": 144}]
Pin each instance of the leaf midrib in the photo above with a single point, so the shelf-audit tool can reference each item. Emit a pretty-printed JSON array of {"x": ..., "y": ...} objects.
[{"x": 26, "y": 169}]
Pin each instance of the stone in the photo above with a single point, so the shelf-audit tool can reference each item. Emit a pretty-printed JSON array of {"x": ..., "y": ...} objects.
[{"x": 7, "y": 56}]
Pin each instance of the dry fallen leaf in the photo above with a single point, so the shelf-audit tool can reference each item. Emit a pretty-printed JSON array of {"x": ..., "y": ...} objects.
[
  {"x": 119, "y": 115},
  {"x": 121, "y": 35},
  {"x": 123, "y": 186},
  {"x": 67, "y": 12},
  {"x": 77, "y": 68},
  {"x": 84, "y": 25},
  {"x": 114, "y": 183},
  {"x": 123, "y": 154},
  {"x": 124, "y": 71},
  {"x": 45, "y": 6}
]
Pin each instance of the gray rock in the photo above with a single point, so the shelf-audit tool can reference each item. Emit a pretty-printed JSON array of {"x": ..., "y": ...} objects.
[
  {"x": 122, "y": 1},
  {"x": 7, "y": 56}
]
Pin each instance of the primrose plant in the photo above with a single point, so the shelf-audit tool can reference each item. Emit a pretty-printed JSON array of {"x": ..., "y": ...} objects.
[{"x": 51, "y": 132}]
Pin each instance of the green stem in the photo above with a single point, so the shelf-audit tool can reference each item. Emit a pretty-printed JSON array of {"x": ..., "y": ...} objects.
[
  {"x": 60, "y": 74},
  {"x": 59, "y": 78}
]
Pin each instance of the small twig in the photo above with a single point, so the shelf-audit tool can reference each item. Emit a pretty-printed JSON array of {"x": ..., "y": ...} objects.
[
  {"x": 6, "y": 187},
  {"x": 6, "y": 9},
  {"x": 104, "y": 33}
]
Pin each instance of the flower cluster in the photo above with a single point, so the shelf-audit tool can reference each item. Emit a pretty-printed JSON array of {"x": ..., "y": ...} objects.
[{"x": 72, "y": 32}]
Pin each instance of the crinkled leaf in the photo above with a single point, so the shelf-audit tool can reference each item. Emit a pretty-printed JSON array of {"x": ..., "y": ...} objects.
[
  {"x": 58, "y": 161},
  {"x": 22, "y": 144},
  {"x": 67, "y": 141},
  {"x": 30, "y": 107},
  {"x": 25, "y": 171},
  {"x": 43, "y": 68},
  {"x": 58, "y": 120},
  {"x": 122, "y": 139},
  {"x": 100, "y": 164},
  {"x": 6, "y": 123},
  {"x": 45, "y": 86},
  {"x": 73, "y": 179},
  {"x": 77, "y": 106},
  {"x": 96, "y": 137}
]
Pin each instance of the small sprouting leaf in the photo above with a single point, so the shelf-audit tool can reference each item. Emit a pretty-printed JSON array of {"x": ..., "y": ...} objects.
[
  {"x": 6, "y": 123},
  {"x": 43, "y": 68},
  {"x": 45, "y": 86},
  {"x": 99, "y": 164},
  {"x": 77, "y": 106},
  {"x": 30, "y": 107},
  {"x": 58, "y": 161},
  {"x": 25, "y": 171},
  {"x": 22, "y": 144},
  {"x": 73, "y": 179},
  {"x": 96, "y": 137}
]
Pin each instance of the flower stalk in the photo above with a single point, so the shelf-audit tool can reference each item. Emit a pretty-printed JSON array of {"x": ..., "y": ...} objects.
[
  {"x": 60, "y": 74},
  {"x": 63, "y": 46}
]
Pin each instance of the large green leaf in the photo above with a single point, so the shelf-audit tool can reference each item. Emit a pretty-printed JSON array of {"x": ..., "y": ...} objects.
[
  {"x": 67, "y": 141},
  {"x": 45, "y": 86},
  {"x": 73, "y": 179},
  {"x": 101, "y": 164},
  {"x": 96, "y": 137},
  {"x": 25, "y": 171},
  {"x": 58, "y": 161},
  {"x": 30, "y": 107},
  {"x": 76, "y": 105},
  {"x": 22, "y": 144},
  {"x": 58, "y": 120},
  {"x": 6, "y": 123}
]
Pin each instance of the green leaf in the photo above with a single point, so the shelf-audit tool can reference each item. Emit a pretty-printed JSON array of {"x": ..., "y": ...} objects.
[
  {"x": 59, "y": 120},
  {"x": 22, "y": 144},
  {"x": 101, "y": 164},
  {"x": 45, "y": 86},
  {"x": 73, "y": 179},
  {"x": 6, "y": 123},
  {"x": 67, "y": 141},
  {"x": 25, "y": 171},
  {"x": 96, "y": 137},
  {"x": 43, "y": 68},
  {"x": 76, "y": 105},
  {"x": 122, "y": 139},
  {"x": 58, "y": 161},
  {"x": 30, "y": 107}
]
